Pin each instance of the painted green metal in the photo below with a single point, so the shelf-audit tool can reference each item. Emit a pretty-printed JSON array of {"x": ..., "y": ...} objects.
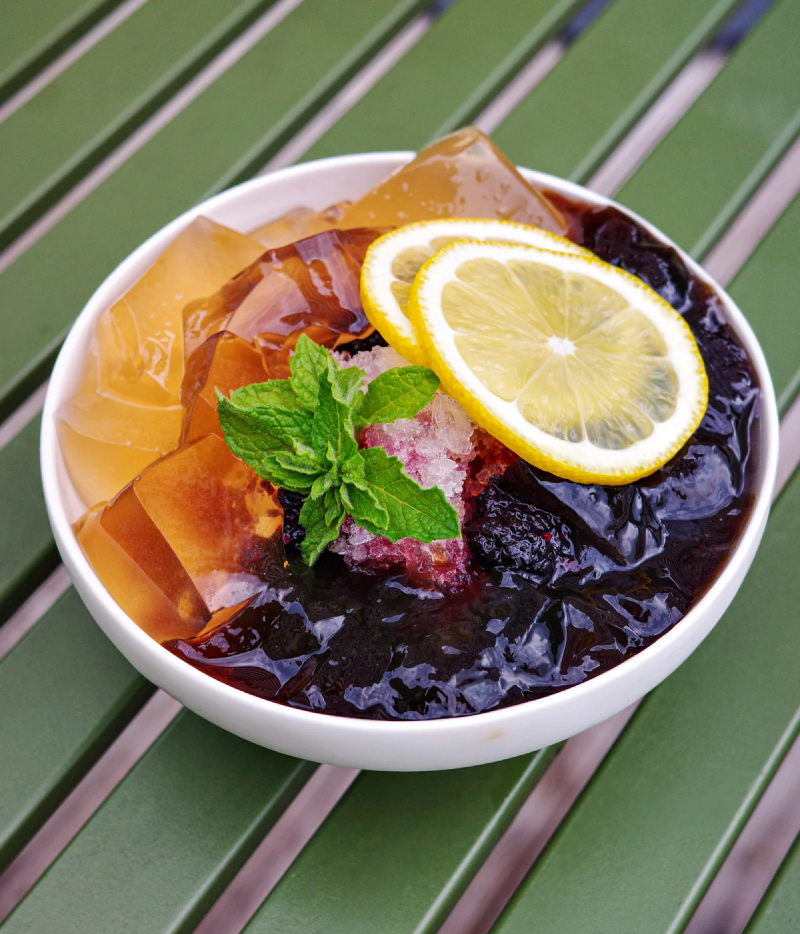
[
  {"x": 228, "y": 132},
  {"x": 27, "y": 551},
  {"x": 401, "y": 812},
  {"x": 641, "y": 845},
  {"x": 53, "y": 140},
  {"x": 167, "y": 841},
  {"x": 398, "y": 850},
  {"x": 65, "y": 693},
  {"x": 573, "y": 120},
  {"x": 716, "y": 157},
  {"x": 778, "y": 913},
  {"x": 36, "y": 31},
  {"x": 448, "y": 77},
  {"x": 765, "y": 290}
]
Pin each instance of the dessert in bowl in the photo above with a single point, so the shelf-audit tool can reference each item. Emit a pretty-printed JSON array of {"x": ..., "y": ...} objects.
[{"x": 553, "y": 602}]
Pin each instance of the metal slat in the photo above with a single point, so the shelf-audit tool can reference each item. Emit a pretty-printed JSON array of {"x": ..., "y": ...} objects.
[
  {"x": 27, "y": 550},
  {"x": 779, "y": 911},
  {"x": 729, "y": 141},
  {"x": 55, "y": 139},
  {"x": 37, "y": 31},
  {"x": 761, "y": 290},
  {"x": 397, "y": 851},
  {"x": 60, "y": 709},
  {"x": 605, "y": 83},
  {"x": 467, "y": 56},
  {"x": 174, "y": 832}
]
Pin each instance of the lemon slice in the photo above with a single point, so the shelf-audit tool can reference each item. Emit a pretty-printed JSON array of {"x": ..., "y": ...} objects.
[
  {"x": 577, "y": 366},
  {"x": 395, "y": 258}
]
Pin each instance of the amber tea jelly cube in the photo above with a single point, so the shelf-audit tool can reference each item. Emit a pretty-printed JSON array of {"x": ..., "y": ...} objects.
[
  {"x": 297, "y": 224},
  {"x": 309, "y": 287},
  {"x": 141, "y": 338},
  {"x": 460, "y": 175},
  {"x": 224, "y": 362},
  {"x": 126, "y": 412},
  {"x": 194, "y": 535}
]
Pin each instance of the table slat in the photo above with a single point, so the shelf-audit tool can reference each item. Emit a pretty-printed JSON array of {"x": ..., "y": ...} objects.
[
  {"x": 604, "y": 83},
  {"x": 398, "y": 850},
  {"x": 233, "y": 126},
  {"x": 763, "y": 290},
  {"x": 780, "y": 909},
  {"x": 167, "y": 841},
  {"x": 52, "y": 141},
  {"x": 36, "y": 31},
  {"x": 448, "y": 77},
  {"x": 65, "y": 693},
  {"x": 716, "y": 157},
  {"x": 27, "y": 550}
]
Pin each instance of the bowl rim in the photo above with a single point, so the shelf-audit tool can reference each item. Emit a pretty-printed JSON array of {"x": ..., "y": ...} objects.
[{"x": 505, "y": 719}]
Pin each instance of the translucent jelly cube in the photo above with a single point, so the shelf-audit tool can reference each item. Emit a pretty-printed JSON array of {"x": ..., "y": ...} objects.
[
  {"x": 126, "y": 411},
  {"x": 224, "y": 362},
  {"x": 297, "y": 224},
  {"x": 461, "y": 175},
  {"x": 140, "y": 338},
  {"x": 309, "y": 287},
  {"x": 191, "y": 537},
  {"x": 106, "y": 442}
]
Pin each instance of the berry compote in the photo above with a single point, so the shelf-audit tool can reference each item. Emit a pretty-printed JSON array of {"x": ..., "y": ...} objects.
[{"x": 563, "y": 582}]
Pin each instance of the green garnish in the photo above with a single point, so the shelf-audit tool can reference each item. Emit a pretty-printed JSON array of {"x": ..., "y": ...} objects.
[{"x": 300, "y": 434}]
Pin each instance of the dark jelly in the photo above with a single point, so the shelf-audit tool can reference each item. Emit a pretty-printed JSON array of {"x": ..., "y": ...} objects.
[{"x": 568, "y": 580}]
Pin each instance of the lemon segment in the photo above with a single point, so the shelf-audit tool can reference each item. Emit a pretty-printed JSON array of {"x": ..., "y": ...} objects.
[
  {"x": 578, "y": 367},
  {"x": 394, "y": 259}
]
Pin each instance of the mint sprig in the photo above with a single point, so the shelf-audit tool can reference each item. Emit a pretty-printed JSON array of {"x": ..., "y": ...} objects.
[{"x": 300, "y": 434}]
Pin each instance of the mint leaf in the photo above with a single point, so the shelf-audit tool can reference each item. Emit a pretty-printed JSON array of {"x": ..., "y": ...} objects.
[
  {"x": 322, "y": 484},
  {"x": 346, "y": 384},
  {"x": 332, "y": 426},
  {"x": 322, "y": 527},
  {"x": 398, "y": 393},
  {"x": 308, "y": 364},
  {"x": 413, "y": 512},
  {"x": 254, "y": 433},
  {"x": 280, "y": 474},
  {"x": 365, "y": 507},
  {"x": 277, "y": 393},
  {"x": 333, "y": 505}
]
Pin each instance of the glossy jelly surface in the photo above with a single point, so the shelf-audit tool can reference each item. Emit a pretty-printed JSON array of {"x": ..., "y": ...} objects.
[
  {"x": 461, "y": 175},
  {"x": 310, "y": 287},
  {"x": 126, "y": 411},
  {"x": 194, "y": 535},
  {"x": 563, "y": 581}
]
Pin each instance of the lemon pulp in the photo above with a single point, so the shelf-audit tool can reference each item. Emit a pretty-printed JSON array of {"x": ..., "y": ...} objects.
[
  {"x": 575, "y": 365},
  {"x": 394, "y": 260}
]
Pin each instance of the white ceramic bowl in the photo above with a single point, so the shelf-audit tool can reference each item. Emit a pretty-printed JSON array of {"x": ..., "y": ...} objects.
[{"x": 414, "y": 745}]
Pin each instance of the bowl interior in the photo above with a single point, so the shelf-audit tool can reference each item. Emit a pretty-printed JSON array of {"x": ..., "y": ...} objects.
[{"x": 317, "y": 185}]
